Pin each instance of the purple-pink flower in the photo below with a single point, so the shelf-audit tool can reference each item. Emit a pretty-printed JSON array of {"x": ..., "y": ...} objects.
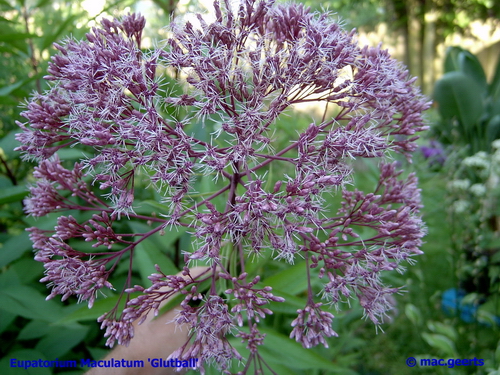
[{"x": 242, "y": 72}]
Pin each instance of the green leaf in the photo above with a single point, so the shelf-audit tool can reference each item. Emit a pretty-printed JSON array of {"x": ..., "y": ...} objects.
[
  {"x": 5, "y": 319},
  {"x": 9, "y": 37},
  {"x": 490, "y": 306},
  {"x": 33, "y": 330},
  {"x": 48, "y": 40},
  {"x": 73, "y": 153},
  {"x": 290, "y": 306},
  {"x": 460, "y": 97},
  {"x": 441, "y": 343},
  {"x": 281, "y": 349},
  {"x": 470, "y": 66},
  {"x": 29, "y": 303},
  {"x": 23, "y": 355},
  {"x": 10, "y": 304},
  {"x": 443, "y": 329},
  {"x": 451, "y": 60},
  {"x": 147, "y": 256},
  {"x": 97, "y": 353},
  {"x": 28, "y": 270},
  {"x": 8, "y": 278},
  {"x": 494, "y": 273},
  {"x": 470, "y": 299},
  {"x": 41, "y": 3},
  {"x": 493, "y": 107},
  {"x": 60, "y": 340},
  {"x": 495, "y": 83},
  {"x": 5, "y": 5},
  {"x": 146, "y": 207},
  {"x": 48, "y": 222},
  {"x": 152, "y": 251},
  {"x": 167, "y": 7},
  {"x": 277, "y": 368},
  {"x": 9, "y": 143},
  {"x": 497, "y": 353},
  {"x": 493, "y": 129},
  {"x": 6, "y": 90},
  {"x": 101, "y": 306},
  {"x": 7, "y": 100},
  {"x": 292, "y": 279},
  {"x": 486, "y": 318},
  {"x": 13, "y": 194},
  {"x": 414, "y": 314},
  {"x": 14, "y": 248}
]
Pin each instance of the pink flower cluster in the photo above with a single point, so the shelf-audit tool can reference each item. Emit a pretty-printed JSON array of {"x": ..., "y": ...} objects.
[{"x": 242, "y": 72}]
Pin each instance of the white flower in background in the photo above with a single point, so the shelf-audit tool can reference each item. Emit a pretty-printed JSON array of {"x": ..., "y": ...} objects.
[
  {"x": 460, "y": 206},
  {"x": 478, "y": 190},
  {"x": 458, "y": 185},
  {"x": 496, "y": 144},
  {"x": 479, "y": 160}
]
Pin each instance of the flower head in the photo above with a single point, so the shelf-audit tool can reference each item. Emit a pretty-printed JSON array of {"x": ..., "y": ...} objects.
[{"x": 242, "y": 72}]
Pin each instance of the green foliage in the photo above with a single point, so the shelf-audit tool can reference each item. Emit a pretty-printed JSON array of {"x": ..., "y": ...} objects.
[
  {"x": 469, "y": 106},
  {"x": 452, "y": 16}
]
